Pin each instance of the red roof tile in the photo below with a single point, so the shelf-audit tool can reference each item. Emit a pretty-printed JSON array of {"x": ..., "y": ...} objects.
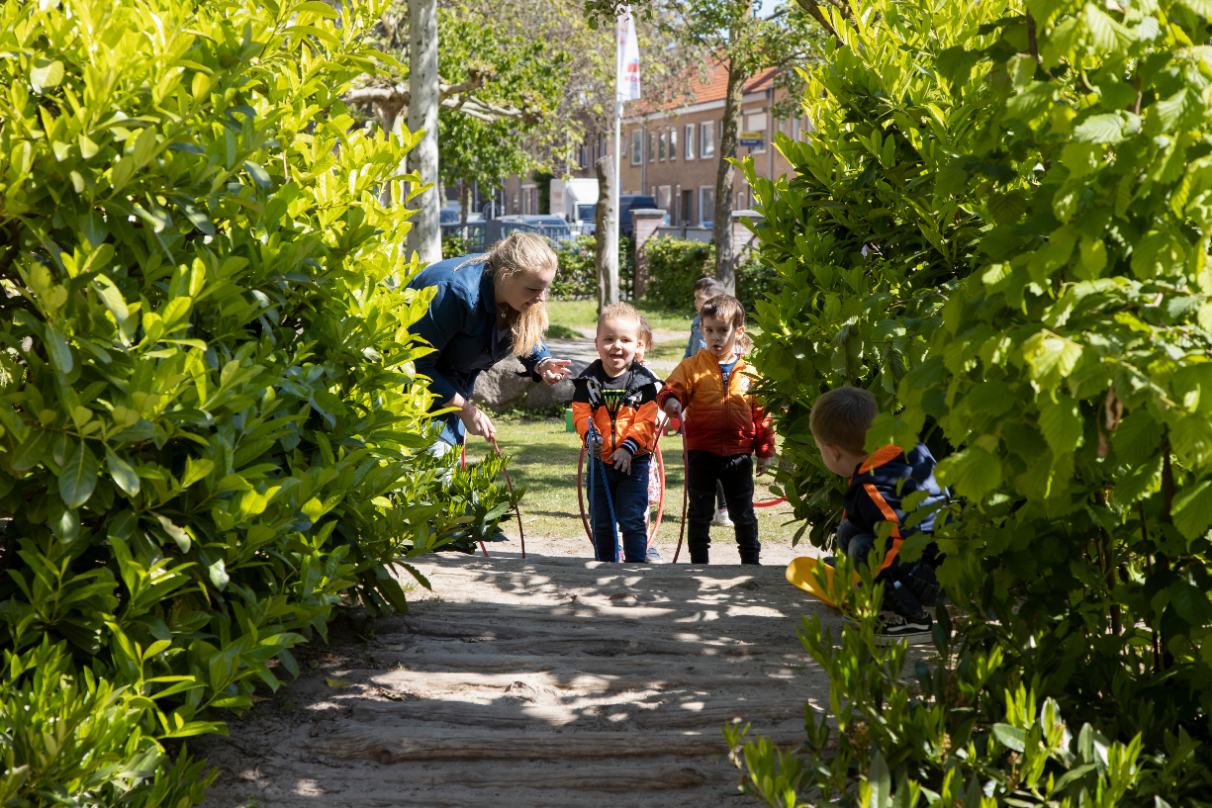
[{"x": 713, "y": 88}]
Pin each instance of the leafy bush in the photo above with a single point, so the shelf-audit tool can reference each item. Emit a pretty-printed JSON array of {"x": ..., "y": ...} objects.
[
  {"x": 577, "y": 278},
  {"x": 674, "y": 266},
  {"x": 999, "y": 227},
  {"x": 210, "y": 429}
]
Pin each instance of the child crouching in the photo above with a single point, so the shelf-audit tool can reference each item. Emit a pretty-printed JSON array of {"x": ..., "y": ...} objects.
[
  {"x": 618, "y": 395},
  {"x": 879, "y": 483}
]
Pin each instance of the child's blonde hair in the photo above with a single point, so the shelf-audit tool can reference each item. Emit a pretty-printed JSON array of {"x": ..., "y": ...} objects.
[
  {"x": 622, "y": 311},
  {"x": 729, "y": 309},
  {"x": 524, "y": 252},
  {"x": 842, "y": 417},
  {"x": 645, "y": 332}
]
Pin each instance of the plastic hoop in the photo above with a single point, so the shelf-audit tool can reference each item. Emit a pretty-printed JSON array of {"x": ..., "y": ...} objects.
[{"x": 656, "y": 522}]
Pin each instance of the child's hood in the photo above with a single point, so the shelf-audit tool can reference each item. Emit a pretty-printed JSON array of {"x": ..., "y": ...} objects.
[{"x": 638, "y": 376}]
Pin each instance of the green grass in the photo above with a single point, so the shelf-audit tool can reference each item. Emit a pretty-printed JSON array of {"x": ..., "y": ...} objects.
[
  {"x": 584, "y": 314},
  {"x": 672, "y": 351},
  {"x": 544, "y": 461}
]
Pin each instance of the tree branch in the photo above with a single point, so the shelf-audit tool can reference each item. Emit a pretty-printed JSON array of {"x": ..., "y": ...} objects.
[{"x": 814, "y": 11}]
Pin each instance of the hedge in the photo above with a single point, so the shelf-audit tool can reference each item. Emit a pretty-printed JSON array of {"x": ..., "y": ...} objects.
[
  {"x": 210, "y": 427},
  {"x": 674, "y": 265}
]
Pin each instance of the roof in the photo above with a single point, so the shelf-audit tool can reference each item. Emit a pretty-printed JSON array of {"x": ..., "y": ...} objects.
[{"x": 704, "y": 90}]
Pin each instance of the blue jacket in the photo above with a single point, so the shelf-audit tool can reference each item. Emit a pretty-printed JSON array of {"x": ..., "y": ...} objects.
[
  {"x": 882, "y": 483},
  {"x": 461, "y": 326},
  {"x": 697, "y": 342}
]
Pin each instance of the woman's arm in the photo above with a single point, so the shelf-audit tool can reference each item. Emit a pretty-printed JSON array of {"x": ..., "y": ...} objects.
[{"x": 442, "y": 320}]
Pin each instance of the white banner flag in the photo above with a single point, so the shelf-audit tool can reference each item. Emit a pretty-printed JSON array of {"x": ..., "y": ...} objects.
[{"x": 627, "y": 82}]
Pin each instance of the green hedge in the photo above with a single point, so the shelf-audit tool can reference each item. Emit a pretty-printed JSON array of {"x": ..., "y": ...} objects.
[
  {"x": 578, "y": 275},
  {"x": 675, "y": 265},
  {"x": 999, "y": 226},
  {"x": 210, "y": 429}
]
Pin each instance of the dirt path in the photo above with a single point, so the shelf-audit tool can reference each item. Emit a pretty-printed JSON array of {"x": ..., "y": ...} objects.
[{"x": 550, "y": 682}]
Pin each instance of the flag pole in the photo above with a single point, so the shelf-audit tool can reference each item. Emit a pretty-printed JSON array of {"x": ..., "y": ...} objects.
[{"x": 618, "y": 113}]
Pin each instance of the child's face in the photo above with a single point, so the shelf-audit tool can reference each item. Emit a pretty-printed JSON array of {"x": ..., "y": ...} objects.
[
  {"x": 617, "y": 342},
  {"x": 721, "y": 336},
  {"x": 701, "y": 296}
]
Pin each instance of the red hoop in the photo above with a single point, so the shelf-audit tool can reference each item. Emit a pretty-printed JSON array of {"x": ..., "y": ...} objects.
[{"x": 656, "y": 522}]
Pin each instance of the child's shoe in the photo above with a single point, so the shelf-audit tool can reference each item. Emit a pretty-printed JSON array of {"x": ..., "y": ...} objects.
[
  {"x": 893, "y": 628},
  {"x": 722, "y": 519},
  {"x": 653, "y": 556}
]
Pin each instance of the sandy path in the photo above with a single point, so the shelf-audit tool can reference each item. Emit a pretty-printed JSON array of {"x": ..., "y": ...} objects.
[{"x": 552, "y": 681}]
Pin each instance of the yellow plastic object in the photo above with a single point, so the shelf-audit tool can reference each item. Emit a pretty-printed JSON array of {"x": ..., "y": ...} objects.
[{"x": 806, "y": 573}]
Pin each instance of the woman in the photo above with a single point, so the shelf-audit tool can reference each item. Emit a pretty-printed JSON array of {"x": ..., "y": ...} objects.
[{"x": 485, "y": 308}]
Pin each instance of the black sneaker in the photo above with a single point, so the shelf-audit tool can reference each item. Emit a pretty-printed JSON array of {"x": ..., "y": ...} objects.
[{"x": 893, "y": 628}]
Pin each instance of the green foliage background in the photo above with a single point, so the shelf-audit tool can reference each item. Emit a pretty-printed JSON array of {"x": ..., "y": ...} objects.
[
  {"x": 1000, "y": 227},
  {"x": 675, "y": 265},
  {"x": 210, "y": 430}
]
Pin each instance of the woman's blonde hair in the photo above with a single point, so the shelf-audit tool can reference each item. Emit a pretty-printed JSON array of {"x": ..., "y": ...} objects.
[{"x": 524, "y": 252}]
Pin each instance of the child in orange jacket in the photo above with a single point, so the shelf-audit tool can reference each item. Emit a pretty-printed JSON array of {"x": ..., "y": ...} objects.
[
  {"x": 618, "y": 395},
  {"x": 723, "y": 428}
]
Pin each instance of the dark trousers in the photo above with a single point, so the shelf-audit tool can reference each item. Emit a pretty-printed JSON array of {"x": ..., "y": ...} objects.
[
  {"x": 907, "y": 586},
  {"x": 735, "y": 473},
  {"x": 629, "y": 499}
]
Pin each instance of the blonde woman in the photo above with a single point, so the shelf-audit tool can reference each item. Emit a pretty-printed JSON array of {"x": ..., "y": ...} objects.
[{"x": 485, "y": 308}]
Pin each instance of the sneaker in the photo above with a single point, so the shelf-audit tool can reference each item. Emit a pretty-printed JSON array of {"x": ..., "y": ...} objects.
[
  {"x": 653, "y": 557},
  {"x": 722, "y": 519},
  {"x": 893, "y": 628}
]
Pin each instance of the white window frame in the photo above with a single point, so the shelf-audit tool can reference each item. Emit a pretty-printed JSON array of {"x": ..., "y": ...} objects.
[
  {"x": 673, "y": 143},
  {"x": 704, "y": 190},
  {"x": 652, "y": 152},
  {"x": 662, "y": 146},
  {"x": 707, "y": 140},
  {"x": 637, "y": 147},
  {"x": 690, "y": 141}
]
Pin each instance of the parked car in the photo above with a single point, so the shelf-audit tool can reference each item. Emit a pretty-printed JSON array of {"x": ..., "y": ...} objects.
[
  {"x": 449, "y": 220},
  {"x": 628, "y": 203},
  {"x": 553, "y": 228}
]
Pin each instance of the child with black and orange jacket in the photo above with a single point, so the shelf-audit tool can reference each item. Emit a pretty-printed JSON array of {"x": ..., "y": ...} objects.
[
  {"x": 723, "y": 428},
  {"x": 618, "y": 395}
]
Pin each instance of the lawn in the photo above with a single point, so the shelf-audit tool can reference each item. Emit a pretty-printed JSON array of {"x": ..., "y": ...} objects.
[
  {"x": 571, "y": 314},
  {"x": 544, "y": 461}
]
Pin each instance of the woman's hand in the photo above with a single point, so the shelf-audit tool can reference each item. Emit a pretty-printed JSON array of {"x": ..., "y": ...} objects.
[
  {"x": 622, "y": 461},
  {"x": 476, "y": 421},
  {"x": 553, "y": 370}
]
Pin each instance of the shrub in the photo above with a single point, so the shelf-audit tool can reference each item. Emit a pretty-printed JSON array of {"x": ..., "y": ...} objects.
[
  {"x": 999, "y": 228},
  {"x": 577, "y": 278},
  {"x": 210, "y": 428},
  {"x": 674, "y": 266}
]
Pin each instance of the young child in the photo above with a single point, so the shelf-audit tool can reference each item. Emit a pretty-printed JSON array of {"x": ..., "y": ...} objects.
[
  {"x": 704, "y": 290},
  {"x": 879, "y": 483},
  {"x": 654, "y": 473},
  {"x": 723, "y": 426},
  {"x": 619, "y": 395}
]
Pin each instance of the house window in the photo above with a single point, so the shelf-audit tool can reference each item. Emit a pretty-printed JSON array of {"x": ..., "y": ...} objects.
[
  {"x": 707, "y": 140},
  {"x": 664, "y": 197},
  {"x": 662, "y": 147},
  {"x": 673, "y": 144},
  {"x": 652, "y": 147},
  {"x": 637, "y": 147},
  {"x": 757, "y": 123},
  {"x": 706, "y": 204},
  {"x": 689, "y": 141}
]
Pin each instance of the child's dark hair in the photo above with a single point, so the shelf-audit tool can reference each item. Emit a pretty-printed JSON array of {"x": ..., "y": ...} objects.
[
  {"x": 730, "y": 310},
  {"x": 710, "y": 285},
  {"x": 645, "y": 333},
  {"x": 842, "y": 417}
]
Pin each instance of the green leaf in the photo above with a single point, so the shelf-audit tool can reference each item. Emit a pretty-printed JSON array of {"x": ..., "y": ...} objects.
[
  {"x": 1138, "y": 438},
  {"x": 59, "y": 351},
  {"x": 196, "y": 469},
  {"x": 1050, "y": 357},
  {"x": 1011, "y": 737},
  {"x": 972, "y": 472},
  {"x": 1061, "y": 423},
  {"x": 79, "y": 476},
  {"x": 122, "y": 472},
  {"x": 1106, "y": 127},
  {"x": 881, "y": 782},
  {"x": 45, "y": 73},
  {"x": 259, "y": 175},
  {"x": 1191, "y": 603},
  {"x": 1192, "y": 509},
  {"x": 31, "y": 451},
  {"x": 174, "y": 532},
  {"x": 1192, "y": 440}
]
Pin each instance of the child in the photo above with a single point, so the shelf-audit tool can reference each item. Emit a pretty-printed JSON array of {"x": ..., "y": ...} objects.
[
  {"x": 654, "y": 473},
  {"x": 723, "y": 427},
  {"x": 879, "y": 483},
  {"x": 619, "y": 395},
  {"x": 704, "y": 290}
]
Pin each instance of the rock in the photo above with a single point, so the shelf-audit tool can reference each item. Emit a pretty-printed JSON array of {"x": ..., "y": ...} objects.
[{"x": 500, "y": 388}]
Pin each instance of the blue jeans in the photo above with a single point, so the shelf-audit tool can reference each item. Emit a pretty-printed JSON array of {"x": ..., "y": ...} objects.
[
  {"x": 629, "y": 497},
  {"x": 907, "y": 586}
]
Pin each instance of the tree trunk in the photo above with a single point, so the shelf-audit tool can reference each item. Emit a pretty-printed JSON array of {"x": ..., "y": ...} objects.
[
  {"x": 725, "y": 263},
  {"x": 425, "y": 237},
  {"x": 464, "y": 201},
  {"x": 606, "y": 232}
]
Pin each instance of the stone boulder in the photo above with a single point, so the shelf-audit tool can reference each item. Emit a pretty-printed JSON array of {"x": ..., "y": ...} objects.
[{"x": 501, "y": 388}]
